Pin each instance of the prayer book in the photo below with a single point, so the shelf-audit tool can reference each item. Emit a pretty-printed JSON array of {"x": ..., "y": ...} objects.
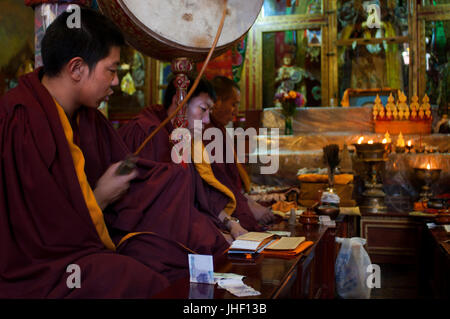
[
  {"x": 286, "y": 243},
  {"x": 252, "y": 242}
]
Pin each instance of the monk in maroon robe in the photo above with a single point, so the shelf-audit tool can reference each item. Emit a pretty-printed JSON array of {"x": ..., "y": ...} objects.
[
  {"x": 160, "y": 149},
  {"x": 232, "y": 174},
  {"x": 54, "y": 148}
]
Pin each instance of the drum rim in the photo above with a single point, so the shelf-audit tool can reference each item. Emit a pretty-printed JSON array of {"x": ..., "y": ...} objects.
[
  {"x": 191, "y": 52},
  {"x": 156, "y": 35}
]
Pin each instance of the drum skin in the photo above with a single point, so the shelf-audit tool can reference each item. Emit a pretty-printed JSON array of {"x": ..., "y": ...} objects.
[{"x": 169, "y": 29}]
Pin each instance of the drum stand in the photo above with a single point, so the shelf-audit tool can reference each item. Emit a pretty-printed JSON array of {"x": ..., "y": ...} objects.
[{"x": 181, "y": 68}]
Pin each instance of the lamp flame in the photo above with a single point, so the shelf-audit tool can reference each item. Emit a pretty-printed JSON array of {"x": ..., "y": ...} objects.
[
  {"x": 384, "y": 141},
  {"x": 370, "y": 142},
  {"x": 360, "y": 140},
  {"x": 428, "y": 166}
]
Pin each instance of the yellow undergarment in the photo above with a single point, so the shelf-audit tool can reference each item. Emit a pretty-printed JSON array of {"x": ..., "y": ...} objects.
[{"x": 78, "y": 162}]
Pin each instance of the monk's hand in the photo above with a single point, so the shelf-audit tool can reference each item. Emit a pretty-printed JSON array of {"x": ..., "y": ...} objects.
[
  {"x": 236, "y": 229},
  {"x": 228, "y": 238},
  {"x": 110, "y": 187},
  {"x": 262, "y": 214}
]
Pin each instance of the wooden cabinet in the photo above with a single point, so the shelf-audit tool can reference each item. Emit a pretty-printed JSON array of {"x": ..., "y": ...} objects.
[
  {"x": 434, "y": 263},
  {"x": 391, "y": 238}
]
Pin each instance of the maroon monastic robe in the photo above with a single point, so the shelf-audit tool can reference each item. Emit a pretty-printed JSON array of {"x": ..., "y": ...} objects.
[
  {"x": 230, "y": 170},
  {"x": 159, "y": 149},
  {"x": 228, "y": 175},
  {"x": 45, "y": 225}
]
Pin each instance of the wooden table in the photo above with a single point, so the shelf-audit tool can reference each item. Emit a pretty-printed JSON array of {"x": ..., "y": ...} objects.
[
  {"x": 308, "y": 275},
  {"x": 434, "y": 276}
]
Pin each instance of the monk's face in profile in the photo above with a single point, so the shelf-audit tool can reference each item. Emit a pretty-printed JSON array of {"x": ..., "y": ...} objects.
[
  {"x": 97, "y": 84},
  {"x": 225, "y": 109},
  {"x": 198, "y": 109}
]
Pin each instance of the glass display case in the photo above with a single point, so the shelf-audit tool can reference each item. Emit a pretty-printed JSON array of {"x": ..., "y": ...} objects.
[
  {"x": 406, "y": 51},
  {"x": 373, "y": 57},
  {"x": 292, "y": 62}
]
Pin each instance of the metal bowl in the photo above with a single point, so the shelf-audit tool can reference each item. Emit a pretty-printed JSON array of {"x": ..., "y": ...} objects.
[
  {"x": 375, "y": 151},
  {"x": 327, "y": 210},
  {"x": 427, "y": 175}
]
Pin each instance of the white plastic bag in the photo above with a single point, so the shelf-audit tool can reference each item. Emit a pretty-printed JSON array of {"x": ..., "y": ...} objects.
[{"x": 351, "y": 269}]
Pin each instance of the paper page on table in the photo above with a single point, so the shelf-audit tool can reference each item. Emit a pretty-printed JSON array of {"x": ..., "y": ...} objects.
[
  {"x": 286, "y": 243},
  {"x": 254, "y": 236},
  {"x": 244, "y": 244}
]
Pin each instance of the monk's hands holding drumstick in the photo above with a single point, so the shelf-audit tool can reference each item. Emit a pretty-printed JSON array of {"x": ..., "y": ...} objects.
[{"x": 111, "y": 186}]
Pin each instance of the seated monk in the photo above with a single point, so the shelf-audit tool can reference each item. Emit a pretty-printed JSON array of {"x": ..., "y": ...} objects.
[
  {"x": 209, "y": 191},
  {"x": 58, "y": 179},
  {"x": 233, "y": 175}
]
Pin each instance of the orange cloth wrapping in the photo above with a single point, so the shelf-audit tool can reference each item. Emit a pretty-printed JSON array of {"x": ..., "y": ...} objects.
[
  {"x": 284, "y": 207},
  {"x": 340, "y": 179},
  {"x": 288, "y": 253}
]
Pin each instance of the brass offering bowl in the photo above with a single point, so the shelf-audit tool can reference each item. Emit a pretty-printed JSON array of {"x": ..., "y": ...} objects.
[
  {"x": 427, "y": 177},
  {"x": 327, "y": 210},
  {"x": 370, "y": 152},
  {"x": 373, "y": 155}
]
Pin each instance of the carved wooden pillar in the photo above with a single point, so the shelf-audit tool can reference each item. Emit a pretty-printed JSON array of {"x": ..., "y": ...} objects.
[
  {"x": 181, "y": 67},
  {"x": 45, "y": 12}
]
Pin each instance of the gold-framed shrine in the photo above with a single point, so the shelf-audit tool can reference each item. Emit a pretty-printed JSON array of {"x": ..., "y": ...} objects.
[
  {"x": 407, "y": 43},
  {"x": 416, "y": 44}
]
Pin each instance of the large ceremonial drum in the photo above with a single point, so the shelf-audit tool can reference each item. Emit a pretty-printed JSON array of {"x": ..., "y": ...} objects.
[{"x": 169, "y": 29}]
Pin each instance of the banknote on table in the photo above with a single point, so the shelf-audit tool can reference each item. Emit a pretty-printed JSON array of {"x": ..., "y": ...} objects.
[
  {"x": 201, "y": 269},
  {"x": 237, "y": 287},
  {"x": 220, "y": 275}
]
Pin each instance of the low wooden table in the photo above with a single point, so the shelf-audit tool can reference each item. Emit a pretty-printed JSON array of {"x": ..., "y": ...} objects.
[
  {"x": 308, "y": 275},
  {"x": 434, "y": 276}
]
